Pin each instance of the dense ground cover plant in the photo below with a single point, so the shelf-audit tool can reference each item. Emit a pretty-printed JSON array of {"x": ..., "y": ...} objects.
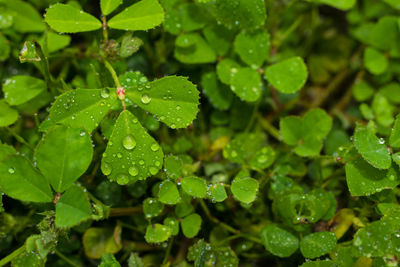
[{"x": 199, "y": 133}]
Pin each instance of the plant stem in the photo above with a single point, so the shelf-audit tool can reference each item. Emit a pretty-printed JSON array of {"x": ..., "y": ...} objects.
[
  {"x": 269, "y": 128},
  {"x": 125, "y": 211},
  {"x": 215, "y": 220},
  {"x": 253, "y": 115},
  {"x": 45, "y": 67},
  {"x": 168, "y": 252},
  {"x": 64, "y": 258},
  {"x": 104, "y": 25},
  {"x": 19, "y": 138},
  {"x": 11, "y": 256},
  {"x": 120, "y": 89}
]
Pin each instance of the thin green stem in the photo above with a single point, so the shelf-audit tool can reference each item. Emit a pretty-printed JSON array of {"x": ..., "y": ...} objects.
[
  {"x": 64, "y": 258},
  {"x": 130, "y": 227},
  {"x": 168, "y": 252},
  {"x": 11, "y": 256},
  {"x": 113, "y": 73},
  {"x": 215, "y": 220},
  {"x": 104, "y": 25},
  {"x": 269, "y": 128},
  {"x": 253, "y": 115},
  {"x": 45, "y": 67},
  {"x": 19, "y": 138}
]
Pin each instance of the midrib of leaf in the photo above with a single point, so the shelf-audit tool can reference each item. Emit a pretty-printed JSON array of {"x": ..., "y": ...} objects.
[
  {"x": 90, "y": 23},
  {"x": 159, "y": 99}
]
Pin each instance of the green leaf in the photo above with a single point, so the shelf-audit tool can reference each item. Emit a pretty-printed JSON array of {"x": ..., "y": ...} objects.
[
  {"x": 141, "y": 16},
  {"x": 129, "y": 45},
  {"x": 246, "y": 84},
  {"x": 5, "y": 48},
  {"x": 217, "y": 192},
  {"x": 287, "y": 76},
  {"x": 81, "y": 108},
  {"x": 263, "y": 158},
  {"x": 319, "y": 263},
  {"x": 63, "y": 155},
  {"x": 152, "y": 208},
  {"x": 173, "y": 100},
  {"x": 156, "y": 233},
  {"x": 98, "y": 241},
  {"x": 396, "y": 158},
  {"x": 173, "y": 167},
  {"x": 371, "y": 148},
  {"x": 244, "y": 14},
  {"x": 363, "y": 179},
  {"x": 245, "y": 189},
  {"x": 72, "y": 208},
  {"x": 20, "y": 89},
  {"x": 394, "y": 139},
  {"x": 108, "y": 6},
  {"x": 253, "y": 48},
  {"x": 362, "y": 90},
  {"x": 168, "y": 193},
  {"x": 219, "y": 38},
  {"x": 55, "y": 41},
  {"x": 135, "y": 261},
  {"x": 131, "y": 153},
  {"x": 219, "y": 95},
  {"x": 66, "y": 18},
  {"x": 194, "y": 186},
  {"x": 28, "y": 258},
  {"x": 383, "y": 110},
  {"x": 25, "y": 17},
  {"x": 385, "y": 35},
  {"x": 191, "y": 48},
  {"x": 317, "y": 244},
  {"x": 279, "y": 241},
  {"x": 173, "y": 224},
  {"x": 394, "y": 3},
  {"x": 391, "y": 92},
  {"x": 375, "y": 61},
  {"x": 6, "y": 150},
  {"x": 108, "y": 260},
  {"x": 20, "y": 180},
  {"x": 306, "y": 133},
  {"x": 191, "y": 225},
  {"x": 7, "y": 115},
  {"x": 339, "y": 4},
  {"x": 226, "y": 68}
]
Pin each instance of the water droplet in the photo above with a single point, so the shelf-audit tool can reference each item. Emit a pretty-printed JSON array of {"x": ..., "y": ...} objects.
[
  {"x": 145, "y": 99},
  {"x": 82, "y": 133},
  {"x": 129, "y": 142},
  {"x": 11, "y": 170},
  {"x": 141, "y": 162},
  {"x": 122, "y": 179},
  {"x": 133, "y": 171},
  {"x": 178, "y": 107},
  {"x": 234, "y": 154},
  {"x": 105, "y": 93},
  {"x": 106, "y": 168},
  {"x": 153, "y": 170},
  {"x": 262, "y": 159},
  {"x": 135, "y": 120},
  {"x": 119, "y": 155},
  {"x": 155, "y": 147},
  {"x": 381, "y": 141},
  {"x": 157, "y": 163}
]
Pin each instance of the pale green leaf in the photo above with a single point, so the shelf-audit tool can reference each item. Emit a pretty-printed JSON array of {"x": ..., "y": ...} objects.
[
  {"x": 253, "y": 48},
  {"x": 168, "y": 193},
  {"x": 287, "y": 76},
  {"x": 156, "y": 233},
  {"x": 131, "y": 153},
  {"x": 317, "y": 244},
  {"x": 63, "y": 155},
  {"x": 191, "y": 48},
  {"x": 72, "y": 208},
  {"x": 66, "y": 18},
  {"x": 371, "y": 148},
  {"x": 81, "y": 108},
  {"x": 143, "y": 15},
  {"x": 375, "y": 61},
  {"x": 191, "y": 225},
  {"x": 194, "y": 186},
  {"x": 172, "y": 223},
  {"x": 278, "y": 241},
  {"x": 20, "y": 89},
  {"x": 245, "y": 189},
  {"x": 363, "y": 179},
  {"x": 226, "y": 68},
  {"x": 394, "y": 139},
  {"x": 246, "y": 84},
  {"x": 20, "y": 180},
  {"x": 152, "y": 207},
  {"x": 217, "y": 192},
  {"x": 108, "y": 6},
  {"x": 25, "y": 17},
  {"x": 7, "y": 115},
  {"x": 173, "y": 100}
]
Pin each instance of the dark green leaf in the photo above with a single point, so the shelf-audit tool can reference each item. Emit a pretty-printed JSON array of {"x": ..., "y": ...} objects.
[
  {"x": 7, "y": 115},
  {"x": 168, "y": 193},
  {"x": 279, "y": 241},
  {"x": 245, "y": 189},
  {"x": 156, "y": 233},
  {"x": 194, "y": 186},
  {"x": 108, "y": 6},
  {"x": 317, "y": 244},
  {"x": 253, "y": 48},
  {"x": 191, "y": 225}
]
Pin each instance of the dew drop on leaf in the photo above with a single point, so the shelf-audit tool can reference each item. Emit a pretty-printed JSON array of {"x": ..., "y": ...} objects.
[
  {"x": 153, "y": 170},
  {"x": 105, "y": 93},
  {"x": 155, "y": 147},
  {"x": 133, "y": 171},
  {"x": 11, "y": 170},
  {"x": 119, "y": 155},
  {"x": 129, "y": 142},
  {"x": 146, "y": 99},
  {"x": 141, "y": 162},
  {"x": 122, "y": 179},
  {"x": 106, "y": 168}
]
